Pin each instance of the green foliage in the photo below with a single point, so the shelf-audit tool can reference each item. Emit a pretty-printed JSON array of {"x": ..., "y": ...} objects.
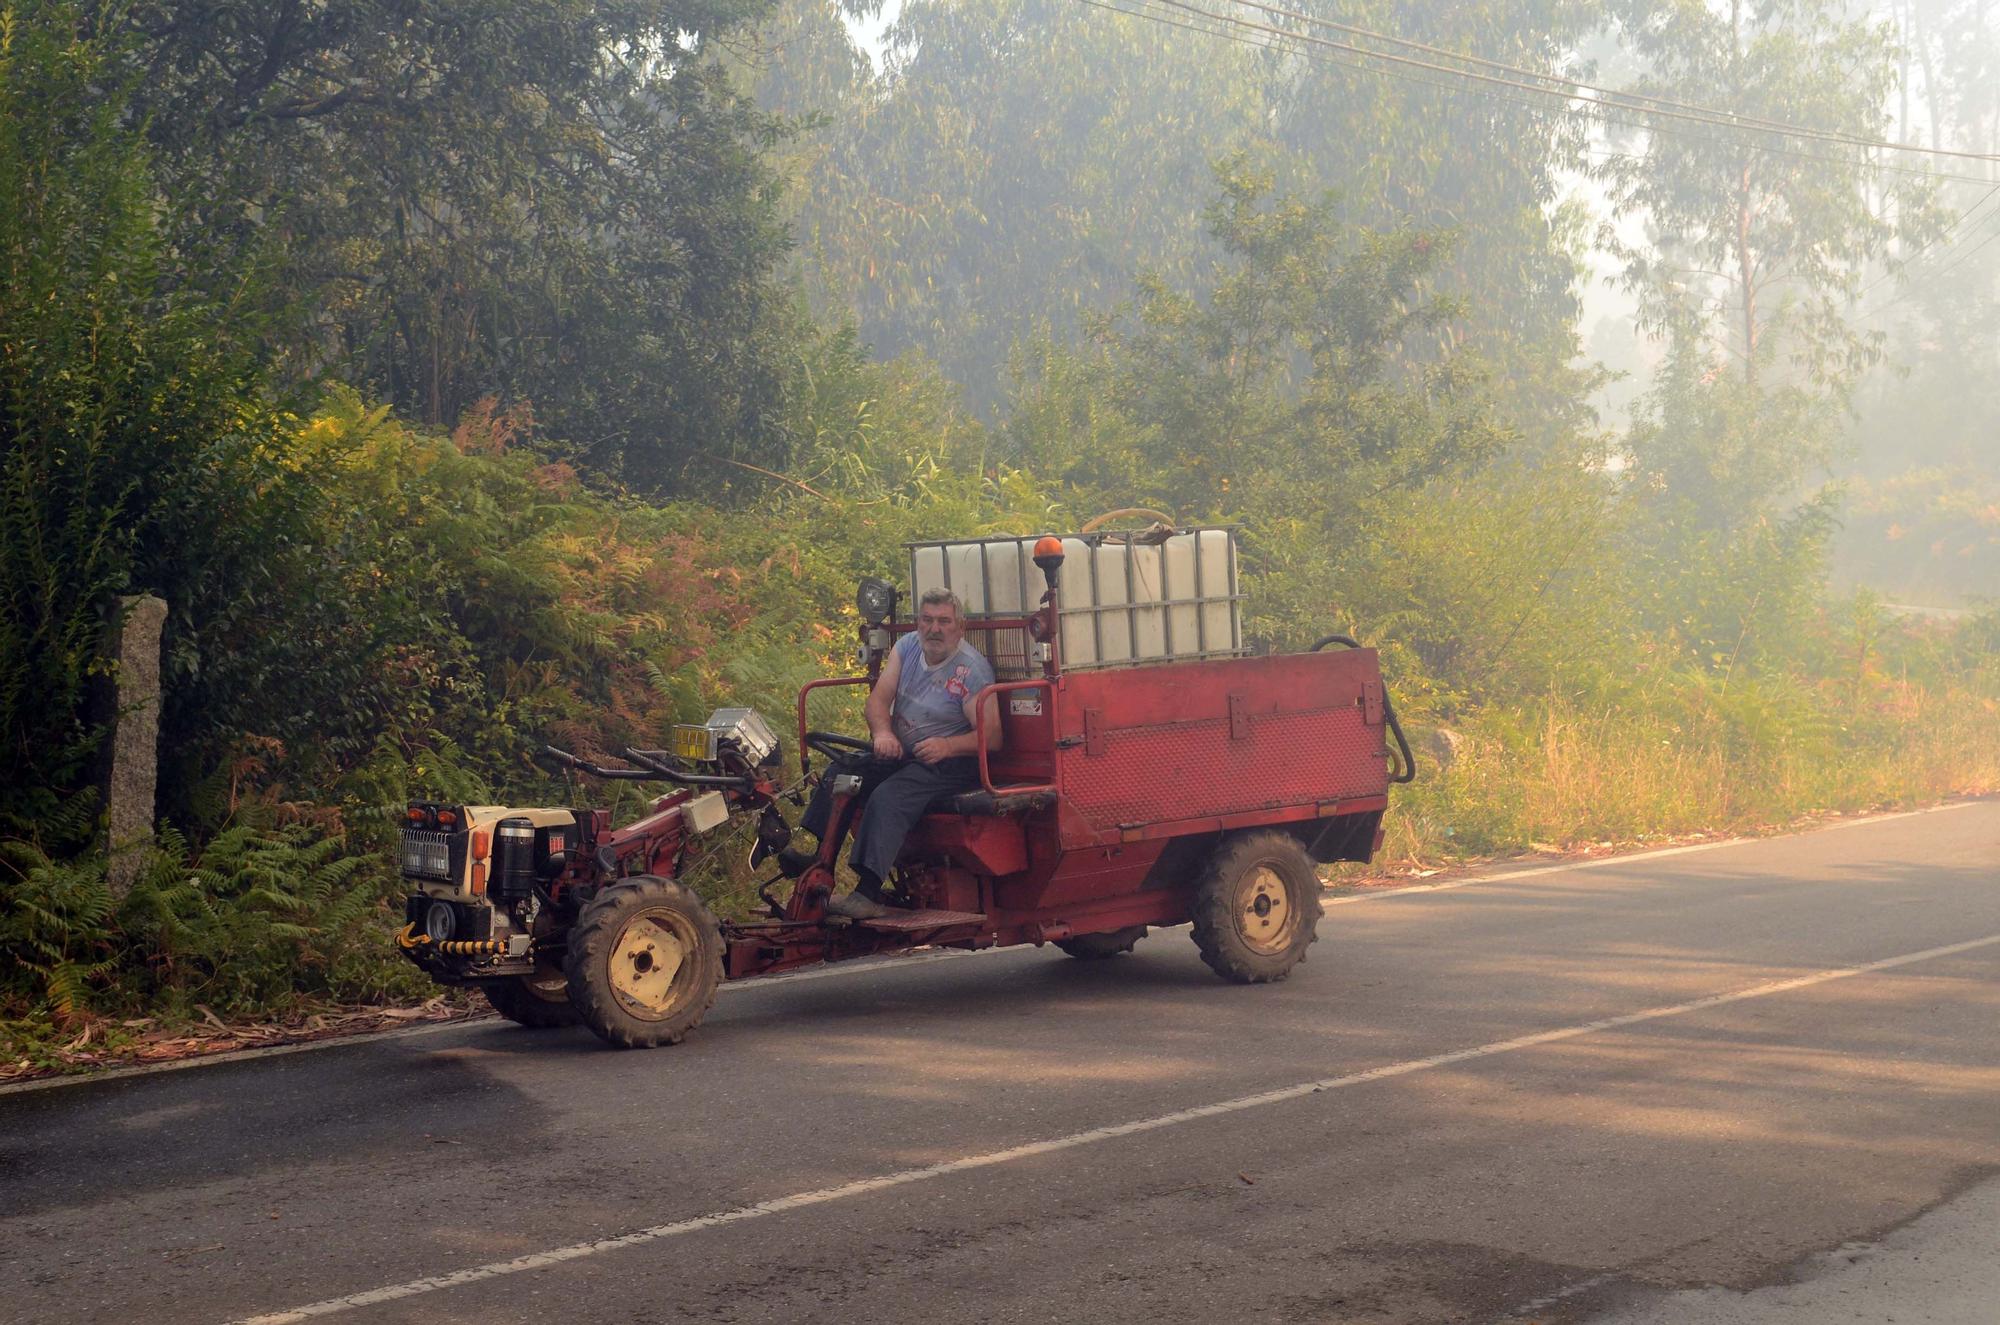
[
  {"x": 54, "y": 927},
  {"x": 537, "y": 238},
  {"x": 1714, "y": 458},
  {"x": 259, "y": 918},
  {"x": 255, "y": 921},
  {"x": 128, "y": 414},
  {"x": 1018, "y": 162},
  {"x": 541, "y": 200}
]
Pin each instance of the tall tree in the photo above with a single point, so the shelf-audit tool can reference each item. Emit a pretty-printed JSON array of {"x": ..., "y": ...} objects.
[
  {"x": 554, "y": 201},
  {"x": 1757, "y": 241},
  {"x": 1755, "y": 244},
  {"x": 1017, "y": 160},
  {"x": 136, "y": 444},
  {"x": 1012, "y": 165},
  {"x": 1924, "y": 514}
]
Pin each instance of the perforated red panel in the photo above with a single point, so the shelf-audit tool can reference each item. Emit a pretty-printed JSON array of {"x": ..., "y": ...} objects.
[{"x": 1188, "y": 770}]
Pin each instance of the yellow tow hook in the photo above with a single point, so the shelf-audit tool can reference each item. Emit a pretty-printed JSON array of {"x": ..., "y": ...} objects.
[{"x": 408, "y": 939}]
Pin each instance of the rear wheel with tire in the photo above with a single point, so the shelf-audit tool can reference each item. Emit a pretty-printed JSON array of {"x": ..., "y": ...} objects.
[
  {"x": 1256, "y": 907},
  {"x": 539, "y": 1001},
  {"x": 1096, "y": 947},
  {"x": 644, "y": 962}
]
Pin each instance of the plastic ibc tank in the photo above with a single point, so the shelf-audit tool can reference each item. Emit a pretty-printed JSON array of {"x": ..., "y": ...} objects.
[{"x": 1125, "y": 600}]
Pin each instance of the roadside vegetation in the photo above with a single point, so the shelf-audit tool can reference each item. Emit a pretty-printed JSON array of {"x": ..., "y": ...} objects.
[{"x": 556, "y": 382}]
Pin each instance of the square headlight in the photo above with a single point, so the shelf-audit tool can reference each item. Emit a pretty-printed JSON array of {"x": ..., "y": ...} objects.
[{"x": 747, "y": 729}]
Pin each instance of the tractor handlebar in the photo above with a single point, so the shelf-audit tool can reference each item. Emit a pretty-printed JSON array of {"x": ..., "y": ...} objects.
[{"x": 651, "y": 770}]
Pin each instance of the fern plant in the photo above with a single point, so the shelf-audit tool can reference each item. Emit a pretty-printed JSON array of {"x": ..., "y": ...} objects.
[{"x": 55, "y": 932}]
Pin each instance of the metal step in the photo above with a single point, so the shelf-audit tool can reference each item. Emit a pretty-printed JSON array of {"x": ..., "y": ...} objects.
[{"x": 904, "y": 922}]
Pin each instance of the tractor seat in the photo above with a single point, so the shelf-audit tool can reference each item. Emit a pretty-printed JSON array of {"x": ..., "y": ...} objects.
[{"x": 986, "y": 802}]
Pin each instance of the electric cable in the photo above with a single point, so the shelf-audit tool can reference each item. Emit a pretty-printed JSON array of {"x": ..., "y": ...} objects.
[
  {"x": 1729, "y": 118},
  {"x": 1713, "y": 118},
  {"x": 1931, "y": 278},
  {"x": 1921, "y": 249},
  {"x": 1597, "y": 109}
]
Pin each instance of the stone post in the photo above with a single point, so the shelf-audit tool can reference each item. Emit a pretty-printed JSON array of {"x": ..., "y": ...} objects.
[{"x": 132, "y": 743}]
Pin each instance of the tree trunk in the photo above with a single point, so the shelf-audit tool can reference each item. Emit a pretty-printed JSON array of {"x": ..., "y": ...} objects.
[
  {"x": 1746, "y": 274},
  {"x": 1745, "y": 266}
]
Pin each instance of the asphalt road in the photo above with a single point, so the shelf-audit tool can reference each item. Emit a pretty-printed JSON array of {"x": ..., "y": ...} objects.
[{"x": 1545, "y": 1095}]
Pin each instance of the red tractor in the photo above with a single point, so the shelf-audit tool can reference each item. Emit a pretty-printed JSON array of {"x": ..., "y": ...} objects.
[{"x": 1118, "y": 799}]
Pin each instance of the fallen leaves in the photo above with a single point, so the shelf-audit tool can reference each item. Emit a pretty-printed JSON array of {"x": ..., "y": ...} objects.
[{"x": 104, "y": 1043}]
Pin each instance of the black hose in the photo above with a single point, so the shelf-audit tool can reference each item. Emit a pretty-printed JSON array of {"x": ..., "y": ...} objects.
[
  {"x": 1408, "y": 773},
  {"x": 672, "y": 774}
]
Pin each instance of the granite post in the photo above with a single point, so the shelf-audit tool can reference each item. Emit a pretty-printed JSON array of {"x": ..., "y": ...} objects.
[{"x": 131, "y": 763}]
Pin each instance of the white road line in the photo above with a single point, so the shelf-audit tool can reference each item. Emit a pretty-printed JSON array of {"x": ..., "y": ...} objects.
[
  {"x": 865, "y": 1186},
  {"x": 1602, "y": 862},
  {"x": 863, "y": 967}
]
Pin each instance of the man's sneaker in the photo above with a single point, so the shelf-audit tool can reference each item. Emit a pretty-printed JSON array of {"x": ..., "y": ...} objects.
[
  {"x": 792, "y": 862},
  {"x": 854, "y": 906}
]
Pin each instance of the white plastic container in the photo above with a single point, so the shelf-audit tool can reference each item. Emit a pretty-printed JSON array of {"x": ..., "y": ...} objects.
[{"x": 1124, "y": 603}]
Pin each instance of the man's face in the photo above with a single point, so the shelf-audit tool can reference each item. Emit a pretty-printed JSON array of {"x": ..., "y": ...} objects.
[{"x": 939, "y": 630}]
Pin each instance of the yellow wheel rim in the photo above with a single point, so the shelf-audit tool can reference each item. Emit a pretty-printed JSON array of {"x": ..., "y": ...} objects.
[
  {"x": 650, "y": 967},
  {"x": 1265, "y": 916}
]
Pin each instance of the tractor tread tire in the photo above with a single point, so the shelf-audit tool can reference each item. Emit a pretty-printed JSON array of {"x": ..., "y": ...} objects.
[
  {"x": 1214, "y": 906},
  {"x": 590, "y": 943},
  {"x": 1097, "y": 947},
  {"x": 512, "y": 999}
]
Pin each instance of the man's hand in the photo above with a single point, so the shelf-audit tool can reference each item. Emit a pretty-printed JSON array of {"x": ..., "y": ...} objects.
[
  {"x": 930, "y": 751},
  {"x": 888, "y": 747}
]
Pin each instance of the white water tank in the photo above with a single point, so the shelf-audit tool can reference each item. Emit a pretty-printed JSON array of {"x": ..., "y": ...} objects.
[{"x": 1127, "y": 599}]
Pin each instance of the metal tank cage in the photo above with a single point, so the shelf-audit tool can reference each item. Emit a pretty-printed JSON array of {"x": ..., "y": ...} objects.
[{"x": 1008, "y": 649}]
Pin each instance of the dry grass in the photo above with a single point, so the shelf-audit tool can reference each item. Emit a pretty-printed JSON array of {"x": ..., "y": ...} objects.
[{"x": 1566, "y": 776}]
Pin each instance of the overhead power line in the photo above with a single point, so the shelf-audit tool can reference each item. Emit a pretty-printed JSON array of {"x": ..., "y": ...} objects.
[
  {"x": 1632, "y": 100},
  {"x": 1705, "y": 115},
  {"x": 1266, "y": 37},
  {"x": 1930, "y": 278},
  {"x": 1958, "y": 225}
]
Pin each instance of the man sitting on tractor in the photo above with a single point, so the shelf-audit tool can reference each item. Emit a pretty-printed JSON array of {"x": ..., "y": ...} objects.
[{"x": 920, "y": 716}]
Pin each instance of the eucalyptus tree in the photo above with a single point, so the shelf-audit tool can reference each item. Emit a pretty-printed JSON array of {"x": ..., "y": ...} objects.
[
  {"x": 1924, "y": 506},
  {"x": 1421, "y": 139},
  {"x": 1300, "y": 395},
  {"x": 1016, "y": 161},
  {"x": 1757, "y": 239},
  {"x": 1011, "y": 166}
]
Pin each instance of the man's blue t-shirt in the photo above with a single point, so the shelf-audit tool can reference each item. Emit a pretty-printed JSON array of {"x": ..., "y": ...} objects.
[{"x": 930, "y": 701}]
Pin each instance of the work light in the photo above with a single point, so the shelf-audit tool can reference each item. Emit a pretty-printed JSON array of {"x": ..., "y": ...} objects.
[{"x": 875, "y": 600}]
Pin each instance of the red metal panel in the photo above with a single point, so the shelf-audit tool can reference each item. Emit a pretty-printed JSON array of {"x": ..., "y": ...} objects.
[
  {"x": 1165, "y": 738},
  {"x": 1222, "y": 823},
  {"x": 987, "y": 843},
  {"x": 1079, "y": 876},
  {"x": 1027, "y": 726}
]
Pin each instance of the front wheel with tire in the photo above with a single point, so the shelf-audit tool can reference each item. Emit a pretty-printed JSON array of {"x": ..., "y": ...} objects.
[
  {"x": 1256, "y": 908},
  {"x": 1096, "y": 947},
  {"x": 539, "y": 1001},
  {"x": 644, "y": 962}
]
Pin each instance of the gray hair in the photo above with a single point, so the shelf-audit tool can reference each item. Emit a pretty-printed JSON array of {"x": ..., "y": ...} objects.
[{"x": 940, "y": 594}]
